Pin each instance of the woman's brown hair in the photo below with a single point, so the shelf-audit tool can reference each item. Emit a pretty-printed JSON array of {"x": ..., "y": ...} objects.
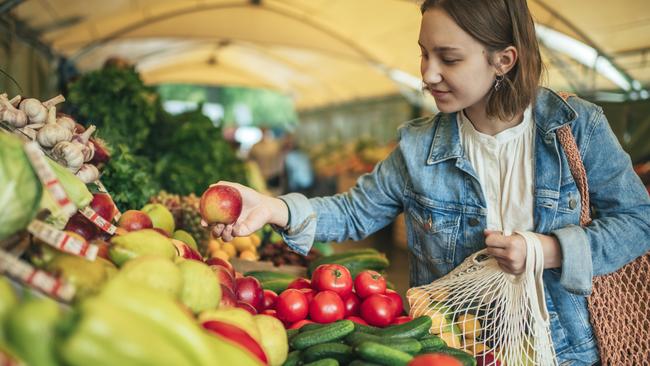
[{"x": 498, "y": 24}]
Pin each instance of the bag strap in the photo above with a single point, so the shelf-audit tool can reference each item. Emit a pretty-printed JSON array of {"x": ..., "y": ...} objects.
[{"x": 568, "y": 142}]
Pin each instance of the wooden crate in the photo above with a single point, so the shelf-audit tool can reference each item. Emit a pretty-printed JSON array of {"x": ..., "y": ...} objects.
[{"x": 244, "y": 266}]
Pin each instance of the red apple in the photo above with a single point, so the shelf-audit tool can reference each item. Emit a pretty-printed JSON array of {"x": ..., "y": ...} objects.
[
  {"x": 246, "y": 306},
  {"x": 103, "y": 205},
  {"x": 250, "y": 290},
  {"x": 221, "y": 262},
  {"x": 228, "y": 297},
  {"x": 270, "y": 312},
  {"x": 225, "y": 277},
  {"x": 102, "y": 156},
  {"x": 487, "y": 359},
  {"x": 270, "y": 298},
  {"x": 82, "y": 226},
  {"x": 133, "y": 220},
  {"x": 220, "y": 204},
  {"x": 183, "y": 250}
]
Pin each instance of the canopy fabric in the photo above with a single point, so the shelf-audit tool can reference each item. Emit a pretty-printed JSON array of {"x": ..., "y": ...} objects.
[{"x": 321, "y": 52}]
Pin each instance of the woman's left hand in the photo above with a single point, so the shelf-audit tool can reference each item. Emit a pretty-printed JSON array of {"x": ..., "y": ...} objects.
[{"x": 509, "y": 251}]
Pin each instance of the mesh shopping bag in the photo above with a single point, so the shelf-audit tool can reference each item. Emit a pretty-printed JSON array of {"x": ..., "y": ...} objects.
[{"x": 499, "y": 317}]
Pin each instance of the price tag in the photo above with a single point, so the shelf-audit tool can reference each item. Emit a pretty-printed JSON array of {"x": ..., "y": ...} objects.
[
  {"x": 30, "y": 276},
  {"x": 62, "y": 241},
  {"x": 101, "y": 223},
  {"x": 48, "y": 178}
]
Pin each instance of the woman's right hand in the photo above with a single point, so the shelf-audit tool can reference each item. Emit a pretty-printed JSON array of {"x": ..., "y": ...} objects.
[{"x": 257, "y": 210}]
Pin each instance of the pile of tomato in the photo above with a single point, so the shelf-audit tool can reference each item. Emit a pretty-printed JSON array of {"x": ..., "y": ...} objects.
[{"x": 332, "y": 294}]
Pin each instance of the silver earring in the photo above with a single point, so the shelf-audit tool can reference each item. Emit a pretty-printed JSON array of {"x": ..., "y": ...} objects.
[{"x": 497, "y": 82}]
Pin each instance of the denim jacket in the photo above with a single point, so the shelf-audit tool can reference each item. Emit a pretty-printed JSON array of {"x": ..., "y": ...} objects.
[{"x": 429, "y": 178}]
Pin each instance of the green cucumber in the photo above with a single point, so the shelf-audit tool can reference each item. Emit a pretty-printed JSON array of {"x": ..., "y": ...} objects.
[
  {"x": 432, "y": 341},
  {"x": 359, "y": 263},
  {"x": 291, "y": 333},
  {"x": 340, "y": 352},
  {"x": 465, "y": 358},
  {"x": 277, "y": 285},
  {"x": 323, "y": 362},
  {"x": 366, "y": 328},
  {"x": 270, "y": 275},
  {"x": 329, "y": 333},
  {"x": 382, "y": 354},
  {"x": 408, "y": 345},
  {"x": 311, "y": 326},
  {"x": 416, "y": 328},
  {"x": 293, "y": 359}
]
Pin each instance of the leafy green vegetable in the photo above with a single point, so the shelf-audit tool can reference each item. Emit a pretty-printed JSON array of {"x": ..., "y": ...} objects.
[
  {"x": 129, "y": 179},
  {"x": 21, "y": 190},
  {"x": 190, "y": 154},
  {"x": 118, "y": 103}
]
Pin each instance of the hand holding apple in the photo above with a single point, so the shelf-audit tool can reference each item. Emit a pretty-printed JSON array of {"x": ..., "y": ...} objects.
[{"x": 256, "y": 210}]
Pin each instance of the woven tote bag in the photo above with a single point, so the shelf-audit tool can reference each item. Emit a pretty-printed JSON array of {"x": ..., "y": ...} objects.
[{"x": 619, "y": 305}]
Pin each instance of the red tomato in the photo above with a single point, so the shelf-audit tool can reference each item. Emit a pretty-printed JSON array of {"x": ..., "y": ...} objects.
[
  {"x": 299, "y": 283},
  {"x": 333, "y": 277},
  {"x": 434, "y": 359},
  {"x": 401, "y": 320},
  {"x": 377, "y": 310},
  {"x": 396, "y": 300},
  {"x": 300, "y": 323},
  {"x": 357, "y": 320},
  {"x": 270, "y": 297},
  {"x": 352, "y": 304},
  {"x": 292, "y": 306},
  {"x": 309, "y": 293},
  {"x": 327, "y": 307},
  {"x": 368, "y": 283}
]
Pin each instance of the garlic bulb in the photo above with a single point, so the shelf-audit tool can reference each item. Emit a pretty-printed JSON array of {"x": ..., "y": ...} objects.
[
  {"x": 87, "y": 148},
  {"x": 68, "y": 154},
  {"x": 52, "y": 133},
  {"x": 15, "y": 101},
  {"x": 36, "y": 111},
  {"x": 9, "y": 113},
  {"x": 88, "y": 173},
  {"x": 65, "y": 121}
]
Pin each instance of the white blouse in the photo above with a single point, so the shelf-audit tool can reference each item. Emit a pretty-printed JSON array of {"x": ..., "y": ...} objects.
[{"x": 505, "y": 165}]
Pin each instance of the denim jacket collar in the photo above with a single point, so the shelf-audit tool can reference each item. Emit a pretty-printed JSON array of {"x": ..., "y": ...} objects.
[{"x": 550, "y": 113}]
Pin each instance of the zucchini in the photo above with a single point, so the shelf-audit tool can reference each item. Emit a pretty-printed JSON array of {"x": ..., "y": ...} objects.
[
  {"x": 329, "y": 333},
  {"x": 270, "y": 275},
  {"x": 340, "y": 352},
  {"x": 408, "y": 345},
  {"x": 293, "y": 359},
  {"x": 416, "y": 328},
  {"x": 432, "y": 341},
  {"x": 323, "y": 362},
  {"x": 277, "y": 285},
  {"x": 381, "y": 354},
  {"x": 338, "y": 256}
]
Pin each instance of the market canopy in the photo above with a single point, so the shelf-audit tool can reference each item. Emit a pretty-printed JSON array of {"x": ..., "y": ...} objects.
[{"x": 323, "y": 52}]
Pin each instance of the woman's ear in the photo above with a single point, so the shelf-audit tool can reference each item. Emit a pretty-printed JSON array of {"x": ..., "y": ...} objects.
[{"x": 505, "y": 60}]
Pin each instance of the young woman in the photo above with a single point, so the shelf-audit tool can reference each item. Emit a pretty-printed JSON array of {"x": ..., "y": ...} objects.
[{"x": 488, "y": 164}]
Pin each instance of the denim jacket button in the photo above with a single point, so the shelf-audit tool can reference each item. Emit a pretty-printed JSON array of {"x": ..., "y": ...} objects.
[
  {"x": 572, "y": 203},
  {"x": 473, "y": 221}
]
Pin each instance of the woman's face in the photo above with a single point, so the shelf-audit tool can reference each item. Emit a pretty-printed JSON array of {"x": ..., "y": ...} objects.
[{"x": 454, "y": 65}]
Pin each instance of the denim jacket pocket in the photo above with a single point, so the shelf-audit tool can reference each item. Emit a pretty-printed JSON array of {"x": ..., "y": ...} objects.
[{"x": 433, "y": 232}]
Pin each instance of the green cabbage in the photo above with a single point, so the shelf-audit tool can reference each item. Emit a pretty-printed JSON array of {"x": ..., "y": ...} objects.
[{"x": 20, "y": 189}]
